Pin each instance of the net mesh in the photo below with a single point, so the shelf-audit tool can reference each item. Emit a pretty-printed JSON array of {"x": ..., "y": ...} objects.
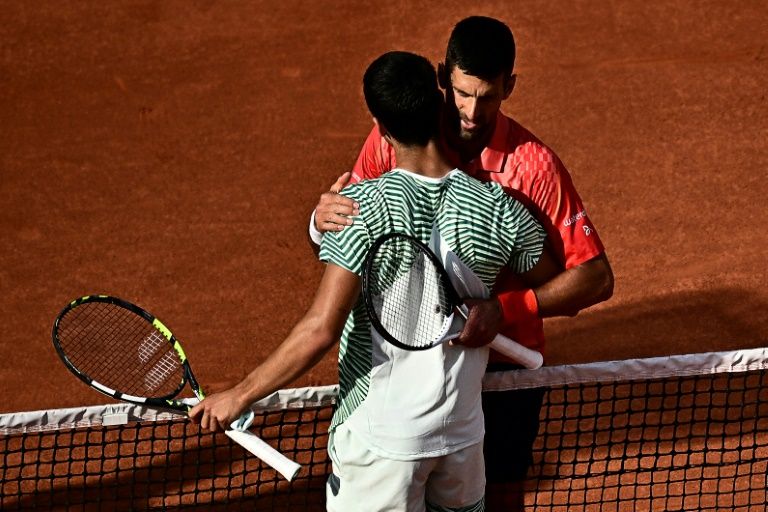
[
  {"x": 674, "y": 434},
  {"x": 76, "y": 459}
]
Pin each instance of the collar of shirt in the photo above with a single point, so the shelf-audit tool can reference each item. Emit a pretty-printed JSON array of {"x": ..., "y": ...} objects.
[{"x": 427, "y": 179}]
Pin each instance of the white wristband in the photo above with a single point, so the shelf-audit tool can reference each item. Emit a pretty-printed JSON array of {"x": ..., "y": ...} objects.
[{"x": 314, "y": 235}]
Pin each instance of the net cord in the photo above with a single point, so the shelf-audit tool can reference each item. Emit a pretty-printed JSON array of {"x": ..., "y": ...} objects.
[
  {"x": 77, "y": 417},
  {"x": 708, "y": 363},
  {"x": 685, "y": 365}
]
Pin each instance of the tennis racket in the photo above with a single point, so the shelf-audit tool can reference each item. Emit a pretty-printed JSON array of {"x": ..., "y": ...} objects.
[
  {"x": 412, "y": 303},
  {"x": 125, "y": 352}
]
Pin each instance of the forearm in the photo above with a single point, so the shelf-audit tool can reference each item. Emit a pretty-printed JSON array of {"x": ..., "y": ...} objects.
[
  {"x": 310, "y": 339},
  {"x": 563, "y": 293},
  {"x": 307, "y": 343},
  {"x": 304, "y": 347},
  {"x": 575, "y": 289}
]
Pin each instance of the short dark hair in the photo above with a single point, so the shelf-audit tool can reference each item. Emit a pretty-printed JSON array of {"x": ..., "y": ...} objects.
[
  {"x": 401, "y": 92},
  {"x": 482, "y": 47}
]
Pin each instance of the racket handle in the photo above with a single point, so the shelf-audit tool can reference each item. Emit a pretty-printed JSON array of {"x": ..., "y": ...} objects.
[
  {"x": 527, "y": 357},
  {"x": 265, "y": 452}
]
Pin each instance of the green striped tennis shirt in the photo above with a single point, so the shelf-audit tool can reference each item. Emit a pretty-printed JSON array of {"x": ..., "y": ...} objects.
[{"x": 484, "y": 226}]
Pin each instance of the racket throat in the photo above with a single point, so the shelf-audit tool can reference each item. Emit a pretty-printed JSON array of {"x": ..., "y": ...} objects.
[{"x": 461, "y": 312}]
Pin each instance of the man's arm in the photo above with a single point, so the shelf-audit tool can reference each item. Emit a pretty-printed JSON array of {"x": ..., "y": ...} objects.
[
  {"x": 334, "y": 211},
  {"x": 304, "y": 347},
  {"x": 550, "y": 293},
  {"x": 563, "y": 293},
  {"x": 547, "y": 290},
  {"x": 587, "y": 278},
  {"x": 576, "y": 288},
  {"x": 487, "y": 316}
]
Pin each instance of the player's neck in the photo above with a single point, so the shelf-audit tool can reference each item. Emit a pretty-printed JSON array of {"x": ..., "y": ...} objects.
[{"x": 429, "y": 161}]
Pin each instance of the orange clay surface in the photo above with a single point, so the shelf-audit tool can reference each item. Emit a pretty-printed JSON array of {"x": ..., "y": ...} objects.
[{"x": 171, "y": 153}]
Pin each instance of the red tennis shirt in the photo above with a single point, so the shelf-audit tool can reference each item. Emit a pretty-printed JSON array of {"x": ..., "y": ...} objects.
[{"x": 529, "y": 171}]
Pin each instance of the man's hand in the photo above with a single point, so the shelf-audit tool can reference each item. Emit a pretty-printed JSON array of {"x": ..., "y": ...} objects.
[
  {"x": 483, "y": 322},
  {"x": 218, "y": 411},
  {"x": 334, "y": 212}
]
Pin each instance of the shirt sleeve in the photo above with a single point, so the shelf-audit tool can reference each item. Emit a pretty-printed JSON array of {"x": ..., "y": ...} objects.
[
  {"x": 347, "y": 248},
  {"x": 536, "y": 176},
  {"x": 555, "y": 195},
  {"x": 376, "y": 157}
]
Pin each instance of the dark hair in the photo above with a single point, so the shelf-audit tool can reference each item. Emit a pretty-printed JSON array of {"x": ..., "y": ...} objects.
[
  {"x": 402, "y": 94},
  {"x": 482, "y": 47}
]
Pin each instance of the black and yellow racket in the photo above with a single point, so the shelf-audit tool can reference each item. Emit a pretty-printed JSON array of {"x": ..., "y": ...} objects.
[{"x": 125, "y": 352}]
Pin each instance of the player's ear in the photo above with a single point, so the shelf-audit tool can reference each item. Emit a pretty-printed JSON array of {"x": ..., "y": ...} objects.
[
  {"x": 443, "y": 77},
  {"x": 509, "y": 85}
]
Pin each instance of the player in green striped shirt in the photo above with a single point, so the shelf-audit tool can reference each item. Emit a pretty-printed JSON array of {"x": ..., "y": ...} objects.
[{"x": 407, "y": 433}]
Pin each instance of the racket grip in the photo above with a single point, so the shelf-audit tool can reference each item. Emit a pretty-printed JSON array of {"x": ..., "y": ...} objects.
[
  {"x": 527, "y": 357},
  {"x": 265, "y": 452}
]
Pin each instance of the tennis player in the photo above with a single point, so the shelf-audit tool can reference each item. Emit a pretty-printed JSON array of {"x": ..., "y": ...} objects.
[
  {"x": 408, "y": 431},
  {"x": 477, "y": 76}
]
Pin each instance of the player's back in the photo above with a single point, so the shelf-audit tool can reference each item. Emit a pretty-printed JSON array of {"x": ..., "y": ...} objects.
[
  {"x": 412, "y": 404},
  {"x": 478, "y": 221}
]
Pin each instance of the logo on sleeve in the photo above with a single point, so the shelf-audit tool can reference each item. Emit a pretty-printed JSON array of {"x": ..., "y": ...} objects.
[
  {"x": 575, "y": 218},
  {"x": 582, "y": 214}
]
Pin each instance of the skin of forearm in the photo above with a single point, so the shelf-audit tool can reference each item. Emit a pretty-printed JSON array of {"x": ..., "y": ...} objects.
[
  {"x": 304, "y": 347},
  {"x": 310, "y": 339},
  {"x": 576, "y": 288}
]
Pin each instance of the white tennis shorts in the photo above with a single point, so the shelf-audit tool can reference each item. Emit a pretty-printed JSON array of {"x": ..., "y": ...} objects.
[{"x": 365, "y": 482}]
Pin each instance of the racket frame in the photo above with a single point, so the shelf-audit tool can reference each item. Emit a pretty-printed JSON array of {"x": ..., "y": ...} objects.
[
  {"x": 165, "y": 402},
  {"x": 451, "y": 295},
  {"x": 255, "y": 445}
]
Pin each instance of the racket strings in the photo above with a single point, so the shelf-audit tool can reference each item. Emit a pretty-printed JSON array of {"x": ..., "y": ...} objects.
[
  {"x": 408, "y": 294},
  {"x": 120, "y": 349},
  {"x": 162, "y": 369}
]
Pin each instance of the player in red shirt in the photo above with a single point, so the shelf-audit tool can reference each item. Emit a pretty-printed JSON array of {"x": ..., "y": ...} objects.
[
  {"x": 477, "y": 78},
  {"x": 531, "y": 172}
]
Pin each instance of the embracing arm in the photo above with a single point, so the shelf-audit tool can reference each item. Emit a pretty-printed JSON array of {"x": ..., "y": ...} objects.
[
  {"x": 334, "y": 211},
  {"x": 576, "y": 288},
  {"x": 552, "y": 292},
  {"x": 556, "y": 292},
  {"x": 487, "y": 317},
  {"x": 304, "y": 347},
  {"x": 587, "y": 278}
]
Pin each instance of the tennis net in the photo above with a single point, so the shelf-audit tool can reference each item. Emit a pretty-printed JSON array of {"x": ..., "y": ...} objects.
[{"x": 672, "y": 433}]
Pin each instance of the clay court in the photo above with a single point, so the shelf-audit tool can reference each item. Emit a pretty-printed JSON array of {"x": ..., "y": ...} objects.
[{"x": 171, "y": 153}]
